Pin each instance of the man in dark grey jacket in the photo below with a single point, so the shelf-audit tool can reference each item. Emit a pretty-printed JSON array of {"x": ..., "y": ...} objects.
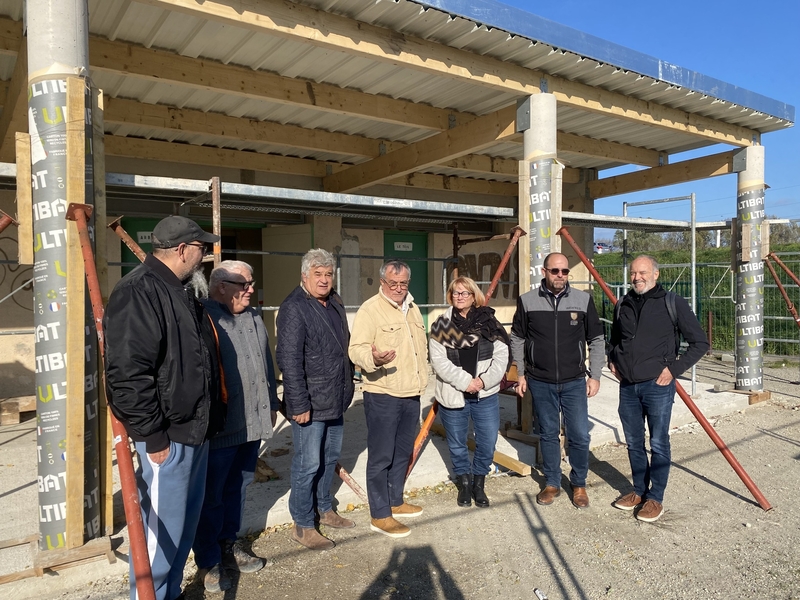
[
  {"x": 644, "y": 357},
  {"x": 162, "y": 379},
  {"x": 551, "y": 328},
  {"x": 313, "y": 337},
  {"x": 252, "y": 399}
]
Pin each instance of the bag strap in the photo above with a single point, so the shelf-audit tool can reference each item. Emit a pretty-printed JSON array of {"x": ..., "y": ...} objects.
[{"x": 223, "y": 388}]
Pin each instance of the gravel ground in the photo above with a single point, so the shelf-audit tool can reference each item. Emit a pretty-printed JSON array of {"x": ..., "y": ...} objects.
[{"x": 713, "y": 541}]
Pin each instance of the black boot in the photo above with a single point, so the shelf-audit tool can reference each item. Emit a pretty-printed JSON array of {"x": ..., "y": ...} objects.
[
  {"x": 464, "y": 490},
  {"x": 477, "y": 491}
]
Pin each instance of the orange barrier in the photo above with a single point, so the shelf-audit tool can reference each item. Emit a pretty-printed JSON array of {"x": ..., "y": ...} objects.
[{"x": 130, "y": 494}]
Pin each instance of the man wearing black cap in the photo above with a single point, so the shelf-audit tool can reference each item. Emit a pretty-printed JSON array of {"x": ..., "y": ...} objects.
[{"x": 162, "y": 377}]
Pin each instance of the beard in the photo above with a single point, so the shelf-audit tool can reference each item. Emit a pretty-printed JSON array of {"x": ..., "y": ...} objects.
[{"x": 198, "y": 283}]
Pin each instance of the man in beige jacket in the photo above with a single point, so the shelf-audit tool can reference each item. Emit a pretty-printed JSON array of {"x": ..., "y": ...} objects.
[{"x": 390, "y": 346}]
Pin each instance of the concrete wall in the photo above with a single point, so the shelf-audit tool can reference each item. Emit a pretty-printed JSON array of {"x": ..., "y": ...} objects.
[{"x": 478, "y": 261}]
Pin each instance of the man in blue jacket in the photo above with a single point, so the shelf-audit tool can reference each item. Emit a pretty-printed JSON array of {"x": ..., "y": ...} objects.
[
  {"x": 162, "y": 379},
  {"x": 313, "y": 337},
  {"x": 644, "y": 357}
]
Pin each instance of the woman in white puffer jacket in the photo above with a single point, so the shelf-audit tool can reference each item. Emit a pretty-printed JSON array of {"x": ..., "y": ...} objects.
[{"x": 469, "y": 352}]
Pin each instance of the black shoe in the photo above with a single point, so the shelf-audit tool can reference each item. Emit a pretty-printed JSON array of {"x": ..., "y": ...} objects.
[
  {"x": 464, "y": 490},
  {"x": 477, "y": 491},
  {"x": 234, "y": 557}
]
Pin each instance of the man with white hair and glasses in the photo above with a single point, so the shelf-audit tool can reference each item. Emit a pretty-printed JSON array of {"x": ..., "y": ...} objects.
[{"x": 252, "y": 400}]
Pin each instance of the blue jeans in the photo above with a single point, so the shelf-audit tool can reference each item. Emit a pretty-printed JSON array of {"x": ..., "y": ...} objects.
[
  {"x": 550, "y": 401},
  {"x": 170, "y": 496},
  {"x": 651, "y": 402},
  {"x": 317, "y": 446},
  {"x": 230, "y": 471},
  {"x": 485, "y": 423},
  {"x": 392, "y": 424}
]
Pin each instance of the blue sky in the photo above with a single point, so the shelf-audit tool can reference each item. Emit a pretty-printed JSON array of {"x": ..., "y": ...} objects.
[{"x": 752, "y": 45}]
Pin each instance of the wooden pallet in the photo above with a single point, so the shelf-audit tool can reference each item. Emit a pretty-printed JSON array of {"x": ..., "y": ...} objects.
[
  {"x": 10, "y": 408},
  {"x": 55, "y": 560}
]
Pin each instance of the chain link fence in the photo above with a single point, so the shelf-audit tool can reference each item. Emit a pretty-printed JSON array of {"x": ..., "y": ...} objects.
[{"x": 715, "y": 301}]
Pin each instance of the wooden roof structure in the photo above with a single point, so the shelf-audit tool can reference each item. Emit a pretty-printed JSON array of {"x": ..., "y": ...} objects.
[{"x": 395, "y": 98}]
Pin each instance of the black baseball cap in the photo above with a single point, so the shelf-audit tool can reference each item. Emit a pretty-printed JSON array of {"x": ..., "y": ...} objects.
[{"x": 176, "y": 230}]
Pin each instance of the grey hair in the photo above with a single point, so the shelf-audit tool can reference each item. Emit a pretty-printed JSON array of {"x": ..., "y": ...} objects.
[
  {"x": 653, "y": 261},
  {"x": 317, "y": 257},
  {"x": 225, "y": 269},
  {"x": 395, "y": 265}
]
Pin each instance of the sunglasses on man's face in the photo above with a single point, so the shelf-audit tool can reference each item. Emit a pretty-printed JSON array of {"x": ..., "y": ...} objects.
[{"x": 564, "y": 272}]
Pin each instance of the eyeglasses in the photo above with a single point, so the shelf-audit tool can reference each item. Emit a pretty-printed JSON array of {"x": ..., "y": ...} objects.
[
  {"x": 393, "y": 285},
  {"x": 244, "y": 284},
  {"x": 201, "y": 245},
  {"x": 564, "y": 272},
  {"x": 462, "y": 294}
]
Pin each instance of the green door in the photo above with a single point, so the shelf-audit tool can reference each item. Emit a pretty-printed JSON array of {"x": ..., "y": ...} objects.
[
  {"x": 407, "y": 246},
  {"x": 140, "y": 230}
]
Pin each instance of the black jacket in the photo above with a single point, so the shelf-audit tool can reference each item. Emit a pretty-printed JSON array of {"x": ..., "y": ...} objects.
[
  {"x": 162, "y": 381},
  {"x": 643, "y": 341},
  {"x": 317, "y": 372},
  {"x": 549, "y": 335}
]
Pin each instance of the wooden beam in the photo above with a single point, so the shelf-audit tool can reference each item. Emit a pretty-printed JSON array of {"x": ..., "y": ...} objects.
[
  {"x": 679, "y": 172},
  {"x": 172, "y": 119},
  {"x": 215, "y": 157},
  {"x": 15, "y": 105},
  {"x": 76, "y": 315},
  {"x": 24, "y": 199},
  {"x": 568, "y": 142},
  {"x": 471, "y": 137},
  {"x": 466, "y": 185},
  {"x": 169, "y": 118},
  {"x": 240, "y": 159},
  {"x": 101, "y": 258},
  {"x": 168, "y": 67},
  {"x": 10, "y": 36},
  {"x": 342, "y": 34}
]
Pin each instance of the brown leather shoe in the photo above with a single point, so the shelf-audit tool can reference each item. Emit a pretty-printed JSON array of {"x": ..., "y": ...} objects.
[
  {"x": 311, "y": 538},
  {"x": 332, "y": 519},
  {"x": 579, "y": 497},
  {"x": 628, "y": 501},
  {"x": 548, "y": 495},
  {"x": 389, "y": 526},
  {"x": 650, "y": 511}
]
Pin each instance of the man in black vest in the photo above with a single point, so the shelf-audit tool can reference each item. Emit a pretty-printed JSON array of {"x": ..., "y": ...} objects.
[{"x": 644, "y": 357}]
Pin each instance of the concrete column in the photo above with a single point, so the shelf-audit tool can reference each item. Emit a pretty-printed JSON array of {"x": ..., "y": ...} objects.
[
  {"x": 749, "y": 164},
  {"x": 58, "y": 48},
  {"x": 540, "y": 185}
]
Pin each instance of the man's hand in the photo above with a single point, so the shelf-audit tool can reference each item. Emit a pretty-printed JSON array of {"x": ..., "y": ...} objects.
[
  {"x": 474, "y": 386},
  {"x": 665, "y": 378},
  {"x": 522, "y": 386},
  {"x": 274, "y": 415},
  {"x": 159, "y": 457},
  {"x": 302, "y": 418},
  {"x": 592, "y": 387},
  {"x": 382, "y": 358},
  {"x": 613, "y": 370}
]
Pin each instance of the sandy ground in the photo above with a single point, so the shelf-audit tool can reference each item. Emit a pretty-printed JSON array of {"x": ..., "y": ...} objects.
[{"x": 714, "y": 541}]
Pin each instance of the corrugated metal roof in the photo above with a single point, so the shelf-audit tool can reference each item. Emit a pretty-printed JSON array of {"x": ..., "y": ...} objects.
[{"x": 482, "y": 27}]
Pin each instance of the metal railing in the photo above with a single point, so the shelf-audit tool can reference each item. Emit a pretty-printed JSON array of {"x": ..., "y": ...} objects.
[{"x": 715, "y": 289}]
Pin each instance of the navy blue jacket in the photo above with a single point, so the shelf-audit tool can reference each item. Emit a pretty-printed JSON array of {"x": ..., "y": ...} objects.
[{"x": 317, "y": 372}]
